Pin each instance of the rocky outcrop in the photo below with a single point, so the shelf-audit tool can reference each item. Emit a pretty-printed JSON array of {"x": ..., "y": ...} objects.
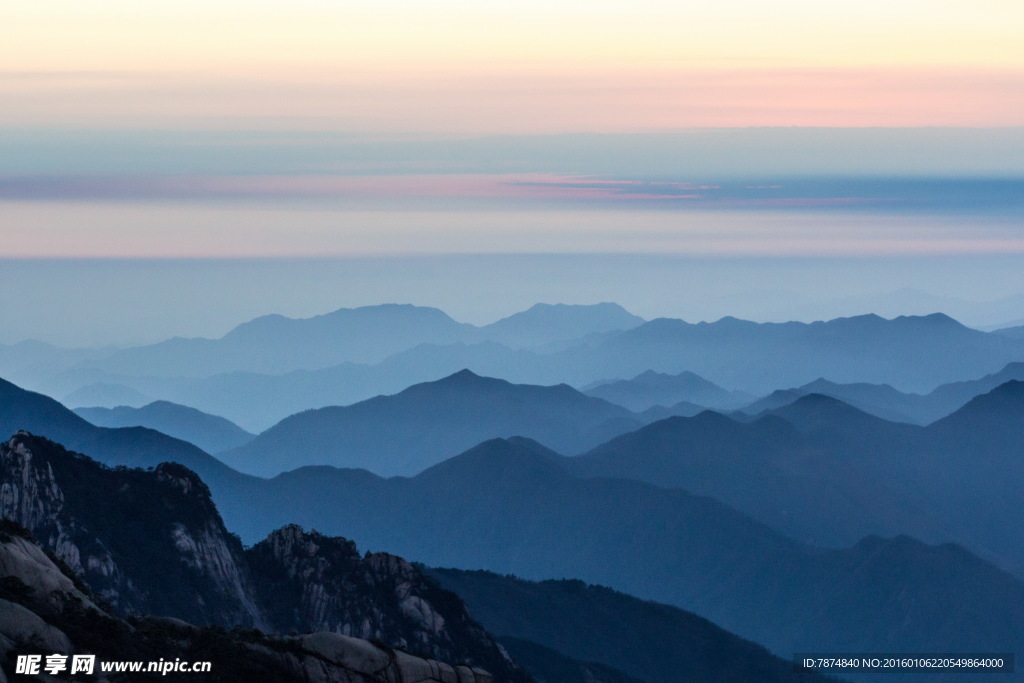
[
  {"x": 146, "y": 542},
  {"x": 43, "y": 612},
  {"x": 31, "y": 496},
  {"x": 152, "y": 542},
  {"x": 393, "y": 666},
  {"x": 307, "y": 581}
]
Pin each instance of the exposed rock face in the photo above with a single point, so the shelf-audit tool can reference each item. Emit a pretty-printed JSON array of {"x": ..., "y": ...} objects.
[
  {"x": 31, "y": 585},
  {"x": 30, "y": 495},
  {"x": 311, "y": 582},
  {"x": 146, "y": 542},
  {"x": 151, "y": 542},
  {"x": 24, "y": 564},
  {"x": 42, "y": 611},
  {"x": 387, "y": 665}
]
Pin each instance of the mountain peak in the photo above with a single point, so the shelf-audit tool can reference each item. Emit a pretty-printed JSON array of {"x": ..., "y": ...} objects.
[
  {"x": 1012, "y": 388},
  {"x": 820, "y": 383},
  {"x": 404, "y": 433},
  {"x": 496, "y": 460},
  {"x": 731, "y": 321},
  {"x": 463, "y": 375},
  {"x": 822, "y": 400},
  {"x": 648, "y": 375},
  {"x": 549, "y": 323},
  {"x": 24, "y": 409},
  {"x": 604, "y": 308},
  {"x": 813, "y": 411},
  {"x": 929, "y": 321},
  {"x": 933, "y": 320},
  {"x": 463, "y": 379},
  {"x": 1006, "y": 401}
]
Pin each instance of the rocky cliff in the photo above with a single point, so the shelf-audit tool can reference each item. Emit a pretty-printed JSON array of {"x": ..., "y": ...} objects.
[
  {"x": 45, "y": 611},
  {"x": 151, "y": 542},
  {"x": 148, "y": 542},
  {"x": 308, "y": 581}
]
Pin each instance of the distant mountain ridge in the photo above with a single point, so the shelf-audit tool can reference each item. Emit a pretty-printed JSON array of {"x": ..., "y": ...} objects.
[
  {"x": 318, "y": 362},
  {"x": 1015, "y": 332},
  {"x": 544, "y": 324},
  {"x": 367, "y": 335},
  {"x": 650, "y": 389},
  {"x": 826, "y": 472},
  {"x": 424, "y": 424},
  {"x": 22, "y": 410},
  {"x": 908, "y": 351},
  {"x": 893, "y": 405},
  {"x": 769, "y": 470},
  {"x": 106, "y": 393},
  {"x": 210, "y": 432},
  {"x": 839, "y": 473},
  {"x": 826, "y": 476}
]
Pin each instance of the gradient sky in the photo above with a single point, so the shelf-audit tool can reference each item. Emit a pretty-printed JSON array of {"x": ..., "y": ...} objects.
[
  {"x": 738, "y": 131},
  {"x": 527, "y": 67}
]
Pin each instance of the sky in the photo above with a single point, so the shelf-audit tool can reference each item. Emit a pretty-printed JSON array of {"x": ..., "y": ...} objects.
[
  {"x": 461, "y": 67},
  {"x": 715, "y": 134}
]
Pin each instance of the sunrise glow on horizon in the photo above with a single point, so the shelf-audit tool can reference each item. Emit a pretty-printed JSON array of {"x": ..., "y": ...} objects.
[
  {"x": 535, "y": 67},
  {"x": 257, "y": 129}
]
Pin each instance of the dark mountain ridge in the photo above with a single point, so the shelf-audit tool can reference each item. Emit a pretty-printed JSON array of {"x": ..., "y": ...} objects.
[
  {"x": 424, "y": 424},
  {"x": 650, "y": 389},
  {"x": 843, "y": 476},
  {"x": 654, "y": 642},
  {"x": 772, "y": 470},
  {"x": 891, "y": 404},
  {"x": 134, "y": 536},
  {"x": 290, "y": 581},
  {"x": 129, "y": 446},
  {"x": 507, "y": 507},
  {"x": 210, "y": 432},
  {"x": 836, "y": 473}
]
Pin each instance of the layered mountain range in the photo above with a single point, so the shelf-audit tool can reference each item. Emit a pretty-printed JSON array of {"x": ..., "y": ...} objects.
[
  {"x": 824, "y": 488},
  {"x": 510, "y": 507},
  {"x": 886, "y": 402},
  {"x": 427, "y": 423},
  {"x": 155, "y": 545},
  {"x": 844, "y": 513},
  {"x": 825, "y": 472},
  {"x": 288, "y": 365}
]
